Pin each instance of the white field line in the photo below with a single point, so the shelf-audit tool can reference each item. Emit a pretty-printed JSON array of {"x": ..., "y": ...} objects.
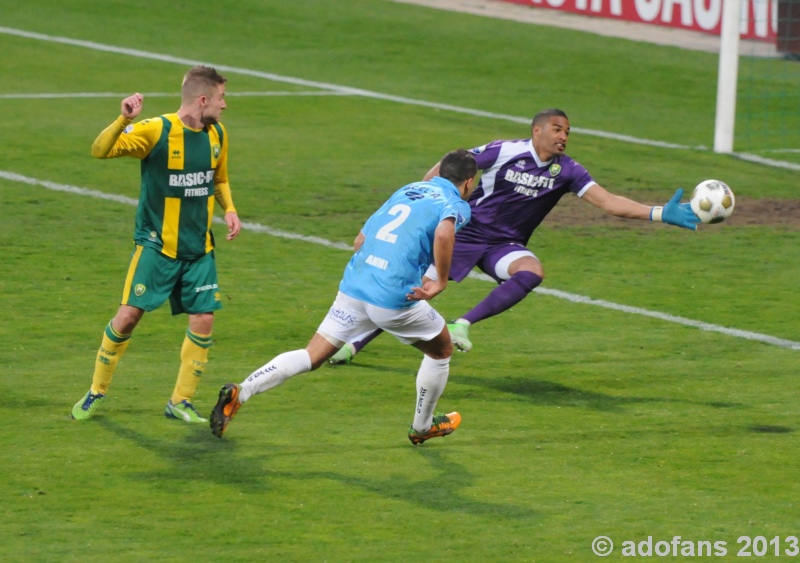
[
  {"x": 366, "y": 93},
  {"x": 132, "y": 201},
  {"x": 766, "y": 161},
  {"x": 575, "y": 298}
]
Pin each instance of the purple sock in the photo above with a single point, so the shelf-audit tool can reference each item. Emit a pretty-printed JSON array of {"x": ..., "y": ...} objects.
[
  {"x": 366, "y": 340},
  {"x": 504, "y": 296}
]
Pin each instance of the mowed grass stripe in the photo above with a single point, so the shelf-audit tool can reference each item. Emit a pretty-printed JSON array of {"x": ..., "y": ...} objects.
[
  {"x": 259, "y": 228},
  {"x": 375, "y": 95}
]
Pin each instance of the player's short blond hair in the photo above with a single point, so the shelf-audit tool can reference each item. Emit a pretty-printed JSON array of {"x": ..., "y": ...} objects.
[{"x": 200, "y": 81}]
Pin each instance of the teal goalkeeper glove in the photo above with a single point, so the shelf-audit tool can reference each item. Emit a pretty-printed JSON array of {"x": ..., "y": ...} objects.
[{"x": 676, "y": 213}]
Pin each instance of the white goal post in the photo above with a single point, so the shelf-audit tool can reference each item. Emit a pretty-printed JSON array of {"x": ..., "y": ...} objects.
[{"x": 727, "y": 76}]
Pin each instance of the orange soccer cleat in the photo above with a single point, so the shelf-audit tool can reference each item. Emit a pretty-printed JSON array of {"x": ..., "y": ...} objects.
[{"x": 443, "y": 424}]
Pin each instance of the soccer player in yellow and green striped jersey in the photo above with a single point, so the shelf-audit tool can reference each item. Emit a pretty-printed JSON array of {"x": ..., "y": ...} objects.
[{"x": 184, "y": 171}]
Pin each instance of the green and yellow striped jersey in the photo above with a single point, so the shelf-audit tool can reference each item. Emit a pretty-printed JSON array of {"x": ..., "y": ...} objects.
[{"x": 180, "y": 167}]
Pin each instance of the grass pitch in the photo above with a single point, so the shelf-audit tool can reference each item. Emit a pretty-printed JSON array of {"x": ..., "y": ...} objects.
[{"x": 579, "y": 420}]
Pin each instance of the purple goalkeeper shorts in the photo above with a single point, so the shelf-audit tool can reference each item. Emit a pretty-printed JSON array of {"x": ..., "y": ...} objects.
[{"x": 492, "y": 259}]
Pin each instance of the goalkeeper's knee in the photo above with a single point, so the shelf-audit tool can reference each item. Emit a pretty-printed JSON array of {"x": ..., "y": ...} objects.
[{"x": 526, "y": 280}]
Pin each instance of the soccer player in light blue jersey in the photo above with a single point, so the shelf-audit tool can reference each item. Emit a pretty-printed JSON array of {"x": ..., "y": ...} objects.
[
  {"x": 522, "y": 180},
  {"x": 382, "y": 288}
]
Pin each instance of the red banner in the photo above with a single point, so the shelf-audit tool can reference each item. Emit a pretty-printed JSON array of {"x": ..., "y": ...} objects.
[{"x": 758, "y": 20}]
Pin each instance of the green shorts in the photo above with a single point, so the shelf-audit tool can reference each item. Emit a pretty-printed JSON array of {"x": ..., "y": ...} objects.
[{"x": 190, "y": 285}]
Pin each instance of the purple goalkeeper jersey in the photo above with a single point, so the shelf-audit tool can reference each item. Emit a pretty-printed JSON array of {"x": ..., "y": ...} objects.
[{"x": 517, "y": 191}]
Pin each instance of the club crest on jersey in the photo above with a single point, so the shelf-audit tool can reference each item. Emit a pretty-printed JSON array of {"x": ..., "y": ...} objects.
[
  {"x": 216, "y": 150},
  {"x": 128, "y": 129},
  {"x": 139, "y": 289},
  {"x": 555, "y": 170}
]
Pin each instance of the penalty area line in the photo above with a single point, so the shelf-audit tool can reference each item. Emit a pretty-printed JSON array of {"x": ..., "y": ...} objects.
[
  {"x": 573, "y": 297},
  {"x": 583, "y": 300}
]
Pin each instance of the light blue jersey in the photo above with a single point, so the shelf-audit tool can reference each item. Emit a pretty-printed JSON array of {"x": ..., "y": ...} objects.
[{"x": 398, "y": 245}]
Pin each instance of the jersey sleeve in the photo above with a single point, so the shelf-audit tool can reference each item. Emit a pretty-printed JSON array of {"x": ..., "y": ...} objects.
[
  {"x": 222, "y": 188},
  {"x": 221, "y": 175},
  {"x": 486, "y": 155},
  {"x": 581, "y": 179},
  {"x": 136, "y": 139},
  {"x": 458, "y": 210}
]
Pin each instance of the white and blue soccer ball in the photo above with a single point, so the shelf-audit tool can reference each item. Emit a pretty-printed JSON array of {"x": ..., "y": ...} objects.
[{"x": 712, "y": 201}]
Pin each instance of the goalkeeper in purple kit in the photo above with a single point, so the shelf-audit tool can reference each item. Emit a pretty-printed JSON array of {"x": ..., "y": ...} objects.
[{"x": 522, "y": 181}]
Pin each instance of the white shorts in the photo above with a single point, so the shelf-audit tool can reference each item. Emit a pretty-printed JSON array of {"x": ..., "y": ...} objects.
[{"x": 350, "y": 319}]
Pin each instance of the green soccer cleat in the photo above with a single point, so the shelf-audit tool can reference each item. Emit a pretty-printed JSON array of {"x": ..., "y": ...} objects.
[
  {"x": 225, "y": 409},
  {"x": 459, "y": 334},
  {"x": 85, "y": 408},
  {"x": 443, "y": 424},
  {"x": 345, "y": 355},
  {"x": 183, "y": 411}
]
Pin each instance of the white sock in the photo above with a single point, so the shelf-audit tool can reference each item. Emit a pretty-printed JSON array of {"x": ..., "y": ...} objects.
[
  {"x": 431, "y": 379},
  {"x": 273, "y": 373},
  {"x": 462, "y": 322}
]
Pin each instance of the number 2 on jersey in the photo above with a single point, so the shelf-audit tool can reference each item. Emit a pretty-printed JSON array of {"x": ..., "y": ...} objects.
[{"x": 385, "y": 233}]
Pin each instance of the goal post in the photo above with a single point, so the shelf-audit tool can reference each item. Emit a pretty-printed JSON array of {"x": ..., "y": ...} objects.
[
  {"x": 727, "y": 77},
  {"x": 758, "y": 91}
]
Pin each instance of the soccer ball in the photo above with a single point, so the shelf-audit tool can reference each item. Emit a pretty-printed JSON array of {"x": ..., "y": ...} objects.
[{"x": 712, "y": 201}]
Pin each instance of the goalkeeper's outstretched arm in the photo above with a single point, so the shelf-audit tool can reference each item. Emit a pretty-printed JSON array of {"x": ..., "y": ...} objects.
[{"x": 673, "y": 212}]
